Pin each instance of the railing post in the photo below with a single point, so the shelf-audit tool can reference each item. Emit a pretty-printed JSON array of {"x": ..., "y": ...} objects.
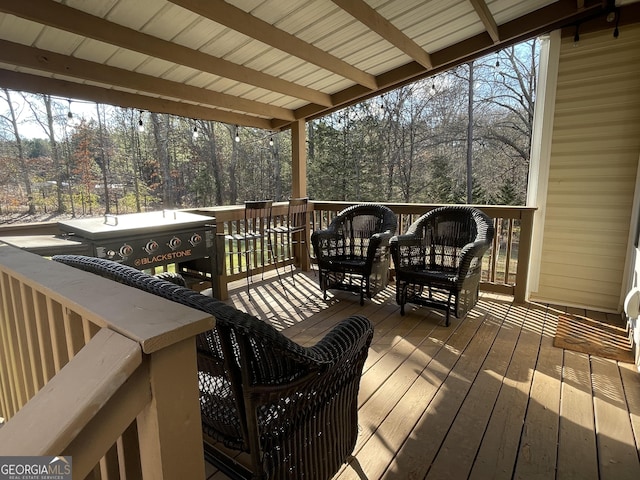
[
  {"x": 169, "y": 427},
  {"x": 219, "y": 281},
  {"x": 524, "y": 255}
]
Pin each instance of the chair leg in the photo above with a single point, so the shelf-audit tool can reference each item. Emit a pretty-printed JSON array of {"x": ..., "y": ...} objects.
[
  {"x": 275, "y": 262},
  {"x": 308, "y": 252},
  {"x": 448, "y": 310},
  {"x": 247, "y": 257},
  {"x": 364, "y": 286}
]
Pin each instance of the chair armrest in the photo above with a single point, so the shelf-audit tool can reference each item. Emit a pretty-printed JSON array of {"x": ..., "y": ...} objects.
[
  {"x": 378, "y": 241},
  {"x": 470, "y": 251},
  {"x": 398, "y": 242},
  {"x": 349, "y": 336},
  {"x": 320, "y": 238},
  {"x": 324, "y": 235}
]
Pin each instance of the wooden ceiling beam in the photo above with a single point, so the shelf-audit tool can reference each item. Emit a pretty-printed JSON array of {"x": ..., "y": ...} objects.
[
  {"x": 237, "y": 19},
  {"x": 487, "y": 19},
  {"x": 37, "y": 84},
  {"x": 80, "y": 23},
  {"x": 46, "y": 61},
  {"x": 368, "y": 16},
  {"x": 543, "y": 20}
]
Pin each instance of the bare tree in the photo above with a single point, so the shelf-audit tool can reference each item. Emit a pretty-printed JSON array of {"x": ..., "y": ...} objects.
[
  {"x": 161, "y": 135},
  {"x": 234, "y": 134},
  {"x": 103, "y": 159},
  {"x": 24, "y": 168},
  {"x": 47, "y": 125}
]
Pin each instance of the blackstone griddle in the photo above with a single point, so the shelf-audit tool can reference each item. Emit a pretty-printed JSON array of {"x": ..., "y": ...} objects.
[{"x": 147, "y": 240}]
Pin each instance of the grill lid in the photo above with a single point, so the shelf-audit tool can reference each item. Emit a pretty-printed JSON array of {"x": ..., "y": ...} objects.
[{"x": 114, "y": 226}]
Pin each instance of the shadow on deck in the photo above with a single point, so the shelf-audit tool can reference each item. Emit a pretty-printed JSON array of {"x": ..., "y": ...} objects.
[{"x": 488, "y": 397}]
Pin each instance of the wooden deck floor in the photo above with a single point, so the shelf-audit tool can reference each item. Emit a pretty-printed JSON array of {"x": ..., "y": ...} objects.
[{"x": 488, "y": 397}]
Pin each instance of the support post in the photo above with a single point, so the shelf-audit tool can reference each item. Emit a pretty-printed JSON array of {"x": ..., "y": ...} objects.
[
  {"x": 299, "y": 180},
  {"x": 169, "y": 427}
]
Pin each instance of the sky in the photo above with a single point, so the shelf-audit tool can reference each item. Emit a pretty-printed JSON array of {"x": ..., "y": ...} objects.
[{"x": 28, "y": 127}]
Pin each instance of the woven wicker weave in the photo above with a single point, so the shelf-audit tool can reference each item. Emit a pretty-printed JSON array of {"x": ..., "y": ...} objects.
[
  {"x": 353, "y": 251},
  {"x": 438, "y": 261},
  {"x": 292, "y": 408}
]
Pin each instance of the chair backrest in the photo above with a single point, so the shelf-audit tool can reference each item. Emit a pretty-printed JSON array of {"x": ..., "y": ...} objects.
[
  {"x": 297, "y": 214},
  {"x": 241, "y": 350},
  {"x": 444, "y": 231},
  {"x": 357, "y": 224},
  {"x": 364, "y": 220},
  {"x": 257, "y": 216}
]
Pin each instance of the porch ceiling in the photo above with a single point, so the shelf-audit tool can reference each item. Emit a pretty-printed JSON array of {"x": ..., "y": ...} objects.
[{"x": 262, "y": 63}]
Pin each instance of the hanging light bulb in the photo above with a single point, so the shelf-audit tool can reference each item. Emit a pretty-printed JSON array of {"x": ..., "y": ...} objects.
[
  {"x": 70, "y": 121},
  {"x": 140, "y": 124},
  {"x": 432, "y": 90},
  {"x": 237, "y": 135},
  {"x": 195, "y": 132}
]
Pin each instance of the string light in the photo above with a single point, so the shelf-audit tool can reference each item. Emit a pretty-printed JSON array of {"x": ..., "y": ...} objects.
[
  {"x": 70, "y": 115},
  {"x": 616, "y": 30},
  {"x": 271, "y": 141},
  {"x": 140, "y": 124},
  {"x": 195, "y": 132},
  {"x": 237, "y": 135}
]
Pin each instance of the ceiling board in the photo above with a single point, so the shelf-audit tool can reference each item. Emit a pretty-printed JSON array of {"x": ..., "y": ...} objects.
[{"x": 250, "y": 79}]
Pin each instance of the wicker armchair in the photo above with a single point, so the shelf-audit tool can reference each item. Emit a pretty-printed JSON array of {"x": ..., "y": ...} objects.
[
  {"x": 353, "y": 252},
  {"x": 293, "y": 409},
  {"x": 441, "y": 253}
]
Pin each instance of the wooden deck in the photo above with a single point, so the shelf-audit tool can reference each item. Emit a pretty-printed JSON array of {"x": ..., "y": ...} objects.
[{"x": 488, "y": 397}]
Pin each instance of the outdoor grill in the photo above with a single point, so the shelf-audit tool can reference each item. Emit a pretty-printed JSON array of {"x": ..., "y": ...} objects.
[{"x": 149, "y": 240}]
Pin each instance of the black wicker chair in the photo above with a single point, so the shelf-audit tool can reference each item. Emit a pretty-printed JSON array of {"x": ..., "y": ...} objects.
[
  {"x": 353, "y": 251},
  {"x": 441, "y": 253},
  {"x": 293, "y": 409}
]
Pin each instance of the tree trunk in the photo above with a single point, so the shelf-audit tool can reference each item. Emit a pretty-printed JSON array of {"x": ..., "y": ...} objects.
[
  {"x": 470, "y": 137},
  {"x": 55, "y": 153},
  {"x": 277, "y": 168},
  {"x": 104, "y": 163},
  {"x": 233, "y": 184},
  {"x": 24, "y": 168},
  {"x": 160, "y": 133}
]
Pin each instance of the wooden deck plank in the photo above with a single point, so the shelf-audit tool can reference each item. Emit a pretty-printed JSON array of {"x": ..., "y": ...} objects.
[
  {"x": 431, "y": 363},
  {"x": 396, "y": 402},
  {"x": 463, "y": 440},
  {"x": 577, "y": 448},
  {"x": 617, "y": 449},
  {"x": 538, "y": 445},
  {"x": 488, "y": 397},
  {"x": 577, "y": 455},
  {"x": 452, "y": 373},
  {"x": 631, "y": 384},
  {"x": 498, "y": 451}
]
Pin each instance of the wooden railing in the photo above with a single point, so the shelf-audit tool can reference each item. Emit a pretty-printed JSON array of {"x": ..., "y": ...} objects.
[
  {"x": 506, "y": 266},
  {"x": 505, "y": 269},
  {"x": 98, "y": 371}
]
